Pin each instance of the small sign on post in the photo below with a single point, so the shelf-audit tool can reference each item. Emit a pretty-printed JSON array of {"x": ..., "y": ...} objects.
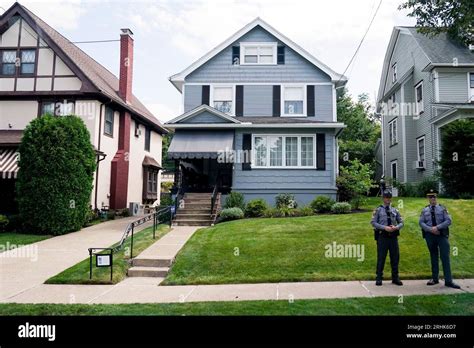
[{"x": 101, "y": 260}]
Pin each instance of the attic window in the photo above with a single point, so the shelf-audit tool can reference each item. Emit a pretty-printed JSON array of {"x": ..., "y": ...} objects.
[
  {"x": 28, "y": 58},
  {"x": 8, "y": 62},
  {"x": 252, "y": 53}
]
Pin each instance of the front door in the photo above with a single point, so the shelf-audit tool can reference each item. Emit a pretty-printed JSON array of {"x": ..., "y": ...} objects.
[{"x": 201, "y": 175}]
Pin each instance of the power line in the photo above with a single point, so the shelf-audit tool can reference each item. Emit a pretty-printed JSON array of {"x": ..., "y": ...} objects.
[
  {"x": 93, "y": 41},
  {"x": 361, "y": 41}
]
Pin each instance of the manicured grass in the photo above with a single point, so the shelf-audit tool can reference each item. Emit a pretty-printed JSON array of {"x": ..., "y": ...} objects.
[
  {"x": 293, "y": 249},
  {"x": 14, "y": 240},
  {"x": 459, "y": 304},
  {"x": 79, "y": 273}
]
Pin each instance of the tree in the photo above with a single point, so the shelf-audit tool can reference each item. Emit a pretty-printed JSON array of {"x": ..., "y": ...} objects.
[
  {"x": 358, "y": 139},
  {"x": 57, "y": 164},
  {"x": 167, "y": 163},
  {"x": 354, "y": 182},
  {"x": 454, "y": 17},
  {"x": 457, "y": 158}
]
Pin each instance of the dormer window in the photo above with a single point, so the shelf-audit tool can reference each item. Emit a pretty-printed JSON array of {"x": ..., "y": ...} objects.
[{"x": 252, "y": 53}]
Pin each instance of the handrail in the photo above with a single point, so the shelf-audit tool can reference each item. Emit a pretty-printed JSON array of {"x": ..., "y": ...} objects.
[{"x": 214, "y": 199}]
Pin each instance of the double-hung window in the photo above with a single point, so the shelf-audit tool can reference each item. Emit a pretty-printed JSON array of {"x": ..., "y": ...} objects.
[
  {"x": 222, "y": 98},
  {"x": 58, "y": 107},
  {"x": 28, "y": 58},
  {"x": 394, "y": 73},
  {"x": 258, "y": 53},
  {"x": 393, "y": 132},
  {"x": 421, "y": 149},
  {"x": 8, "y": 62},
  {"x": 109, "y": 121},
  {"x": 471, "y": 86},
  {"x": 394, "y": 169},
  {"x": 293, "y": 100},
  {"x": 419, "y": 98},
  {"x": 284, "y": 151}
]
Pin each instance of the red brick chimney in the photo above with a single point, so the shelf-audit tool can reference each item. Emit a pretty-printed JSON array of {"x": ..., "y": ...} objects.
[{"x": 126, "y": 65}]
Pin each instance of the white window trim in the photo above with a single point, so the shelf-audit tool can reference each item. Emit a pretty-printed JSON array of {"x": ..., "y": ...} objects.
[
  {"x": 470, "y": 90},
  {"x": 396, "y": 169},
  {"x": 243, "y": 45},
  {"x": 211, "y": 95},
  {"x": 282, "y": 100},
  {"x": 419, "y": 108},
  {"x": 418, "y": 147},
  {"x": 299, "y": 166},
  {"x": 394, "y": 72},
  {"x": 395, "y": 134}
]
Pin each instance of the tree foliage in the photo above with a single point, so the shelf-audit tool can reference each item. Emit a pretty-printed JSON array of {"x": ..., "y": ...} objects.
[
  {"x": 57, "y": 163},
  {"x": 167, "y": 163},
  {"x": 454, "y": 17},
  {"x": 354, "y": 182},
  {"x": 457, "y": 158}
]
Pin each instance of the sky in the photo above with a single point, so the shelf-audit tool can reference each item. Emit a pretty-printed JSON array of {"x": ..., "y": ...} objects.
[{"x": 171, "y": 34}]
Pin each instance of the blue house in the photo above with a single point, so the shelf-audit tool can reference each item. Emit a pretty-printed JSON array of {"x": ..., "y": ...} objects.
[{"x": 259, "y": 118}]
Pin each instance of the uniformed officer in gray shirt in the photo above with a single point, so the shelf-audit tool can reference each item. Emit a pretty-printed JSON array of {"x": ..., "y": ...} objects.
[
  {"x": 435, "y": 222},
  {"x": 387, "y": 223}
]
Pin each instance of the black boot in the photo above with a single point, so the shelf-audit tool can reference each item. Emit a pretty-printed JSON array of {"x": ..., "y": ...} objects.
[
  {"x": 433, "y": 282},
  {"x": 397, "y": 282},
  {"x": 452, "y": 285}
]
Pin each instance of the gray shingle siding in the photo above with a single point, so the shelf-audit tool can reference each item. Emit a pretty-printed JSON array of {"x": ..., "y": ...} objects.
[
  {"x": 258, "y": 100},
  {"x": 220, "y": 68},
  {"x": 323, "y": 102},
  {"x": 192, "y": 97},
  {"x": 205, "y": 117},
  {"x": 453, "y": 87}
]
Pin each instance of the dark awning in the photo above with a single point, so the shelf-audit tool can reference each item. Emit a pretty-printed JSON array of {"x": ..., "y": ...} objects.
[
  {"x": 200, "y": 144},
  {"x": 150, "y": 162}
]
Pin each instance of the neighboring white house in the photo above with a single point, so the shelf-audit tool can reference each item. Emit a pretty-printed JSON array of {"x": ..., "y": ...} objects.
[{"x": 43, "y": 72}]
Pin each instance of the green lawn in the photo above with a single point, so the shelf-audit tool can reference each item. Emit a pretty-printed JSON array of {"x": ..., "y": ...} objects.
[
  {"x": 293, "y": 249},
  {"x": 459, "y": 304},
  {"x": 14, "y": 240},
  {"x": 79, "y": 273}
]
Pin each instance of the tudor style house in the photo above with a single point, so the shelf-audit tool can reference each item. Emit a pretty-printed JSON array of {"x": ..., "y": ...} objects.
[
  {"x": 426, "y": 83},
  {"x": 43, "y": 72},
  {"x": 267, "y": 101}
]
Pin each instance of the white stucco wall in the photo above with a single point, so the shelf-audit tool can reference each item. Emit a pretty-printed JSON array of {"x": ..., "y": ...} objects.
[{"x": 17, "y": 113}]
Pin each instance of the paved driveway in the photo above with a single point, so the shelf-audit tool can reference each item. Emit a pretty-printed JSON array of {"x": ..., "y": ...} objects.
[{"x": 29, "y": 266}]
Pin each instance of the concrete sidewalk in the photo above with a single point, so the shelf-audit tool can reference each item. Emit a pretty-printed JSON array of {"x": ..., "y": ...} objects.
[
  {"x": 146, "y": 290},
  {"x": 27, "y": 267}
]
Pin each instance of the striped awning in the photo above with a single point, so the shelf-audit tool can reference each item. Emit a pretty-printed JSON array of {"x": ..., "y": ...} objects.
[{"x": 8, "y": 163}]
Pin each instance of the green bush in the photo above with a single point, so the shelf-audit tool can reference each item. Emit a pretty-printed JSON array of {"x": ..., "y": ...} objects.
[
  {"x": 256, "y": 208},
  {"x": 166, "y": 200},
  {"x": 427, "y": 184},
  {"x": 3, "y": 223},
  {"x": 285, "y": 200},
  {"x": 235, "y": 200},
  {"x": 166, "y": 186},
  {"x": 111, "y": 214},
  {"x": 304, "y": 211},
  {"x": 14, "y": 224},
  {"x": 341, "y": 208},
  {"x": 288, "y": 212},
  {"x": 231, "y": 214},
  {"x": 354, "y": 182},
  {"x": 322, "y": 204},
  {"x": 57, "y": 164}
]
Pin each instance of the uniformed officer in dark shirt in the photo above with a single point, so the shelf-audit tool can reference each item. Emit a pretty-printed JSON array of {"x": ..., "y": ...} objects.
[
  {"x": 387, "y": 223},
  {"x": 435, "y": 222}
]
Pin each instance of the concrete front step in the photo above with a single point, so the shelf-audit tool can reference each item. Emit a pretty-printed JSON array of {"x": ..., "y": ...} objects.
[
  {"x": 152, "y": 262},
  {"x": 139, "y": 271},
  {"x": 192, "y": 223},
  {"x": 197, "y": 201},
  {"x": 194, "y": 211},
  {"x": 193, "y": 217}
]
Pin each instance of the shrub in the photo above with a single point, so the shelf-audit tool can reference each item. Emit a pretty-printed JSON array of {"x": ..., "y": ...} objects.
[
  {"x": 354, "y": 182},
  {"x": 322, "y": 204},
  {"x": 341, "y": 208},
  {"x": 285, "y": 200},
  {"x": 430, "y": 183},
  {"x": 3, "y": 223},
  {"x": 304, "y": 211},
  {"x": 14, "y": 224},
  {"x": 229, "y": 214},
  {"x": 256, "y": 208},
  {"x": 111, "y": 215},
  {"x": 235, "y": 200},
  {"x": 166, "y": 200},
  {"x": 166, "y": 186},
  {"x": 57, "y": 164}
]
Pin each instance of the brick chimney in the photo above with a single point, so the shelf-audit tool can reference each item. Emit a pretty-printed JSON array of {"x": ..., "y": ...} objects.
[{"x": 126, "y": 65}]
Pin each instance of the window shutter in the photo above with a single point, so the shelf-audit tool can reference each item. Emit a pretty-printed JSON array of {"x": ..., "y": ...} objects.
[
  {"x": 321, "y": 151},
  {"x": 310, "y": 100},
  {"x": 281, "y": 55},
  {"x": 276, "y": 100},
  {"x": 239, "y": 100},
  {"x": 235, "y": 55},
  {"x": 206, "y": 89},
  {"x": 247, "y": 145}
]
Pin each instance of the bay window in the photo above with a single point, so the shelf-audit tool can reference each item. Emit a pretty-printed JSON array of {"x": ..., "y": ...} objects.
[
  {"x": 293, "y": 100},
  {"x": 258, "y": 53},
  {"x": 284, "y": 151},
  {"x": 222, "y": 98}
]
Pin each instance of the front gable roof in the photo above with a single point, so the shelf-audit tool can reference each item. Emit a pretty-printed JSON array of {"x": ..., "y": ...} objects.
[
  {"x": 178, "y": 79},
  {"x": 188, "y": 116},
  {"x": 95, "y": 77}
]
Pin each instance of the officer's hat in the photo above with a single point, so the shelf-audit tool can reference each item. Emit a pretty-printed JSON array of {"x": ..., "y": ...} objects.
[
  {"x": 431, "y": 193},
  {"x": 387, "y": 194}
]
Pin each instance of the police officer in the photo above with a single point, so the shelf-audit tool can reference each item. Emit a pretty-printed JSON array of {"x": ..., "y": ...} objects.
[
  {"x": 387, "y": 223},
  {"x": 435, "y": 222}
]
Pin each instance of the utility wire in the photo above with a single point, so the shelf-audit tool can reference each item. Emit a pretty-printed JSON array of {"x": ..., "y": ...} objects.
[
  {"x": 361, "y": 41},
  {"x": 93, "y": 41}
]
